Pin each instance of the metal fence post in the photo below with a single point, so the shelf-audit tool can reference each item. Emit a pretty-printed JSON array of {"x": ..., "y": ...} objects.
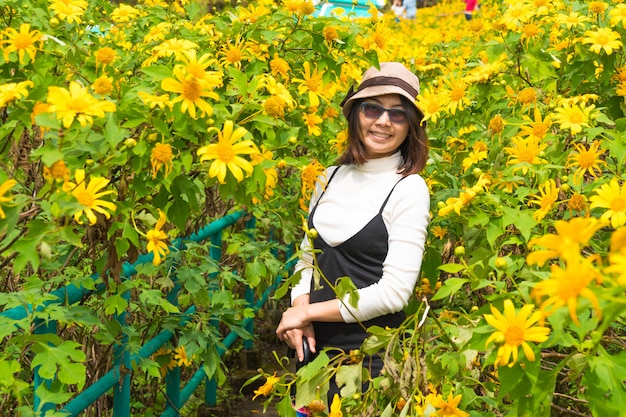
[
  {"x": 42, "y": 327},
  {"x": 215, "y": 251},
  {"x": 121, "y": 359}
]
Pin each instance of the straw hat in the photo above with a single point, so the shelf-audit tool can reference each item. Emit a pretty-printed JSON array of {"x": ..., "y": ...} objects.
[{"x": 391, "y": 78}]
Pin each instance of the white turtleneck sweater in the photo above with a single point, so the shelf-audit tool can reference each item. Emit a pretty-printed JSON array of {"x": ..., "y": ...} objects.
[{"x": 352, "y": 199}]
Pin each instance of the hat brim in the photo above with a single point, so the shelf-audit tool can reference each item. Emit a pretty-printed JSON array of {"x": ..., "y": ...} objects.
[{"x": 375, "y": 91}]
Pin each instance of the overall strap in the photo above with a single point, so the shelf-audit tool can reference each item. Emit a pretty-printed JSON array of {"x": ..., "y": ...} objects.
[{"x": 389, "y": 195}]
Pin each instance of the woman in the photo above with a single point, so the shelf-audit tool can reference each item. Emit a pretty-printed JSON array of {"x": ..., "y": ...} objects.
[{"x": 371, "y": 219}]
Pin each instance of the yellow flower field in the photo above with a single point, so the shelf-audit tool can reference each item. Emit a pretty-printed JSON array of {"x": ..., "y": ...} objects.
[{"x": 152, "y": 119}]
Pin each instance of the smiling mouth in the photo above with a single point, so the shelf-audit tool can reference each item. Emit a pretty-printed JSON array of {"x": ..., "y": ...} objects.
[{"x": 380, "y": 135}]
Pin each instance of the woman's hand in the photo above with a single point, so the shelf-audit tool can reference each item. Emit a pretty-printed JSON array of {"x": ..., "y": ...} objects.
[{"x": 293, "y": 338}]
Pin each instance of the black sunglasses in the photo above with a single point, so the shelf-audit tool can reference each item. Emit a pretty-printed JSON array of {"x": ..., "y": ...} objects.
[{"x": 374, "y": 111}]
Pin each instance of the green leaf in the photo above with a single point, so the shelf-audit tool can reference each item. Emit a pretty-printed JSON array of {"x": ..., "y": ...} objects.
[
  {"x": 113, "y": 133},
  {"x": 115, "y": 304},
  {"x": 450, "y": 286},
  {"x": 349, "y": 379},
  {"x": 345, "y": 287},
  {"x": 452, "y": 268},
  {"x": 255, "y": 272},
  {"x": 8, "y": 369},
  {"x": 522, "y": 220},
  {"x": 64, "y": 361},
  {"x": 604, "y": 381}
]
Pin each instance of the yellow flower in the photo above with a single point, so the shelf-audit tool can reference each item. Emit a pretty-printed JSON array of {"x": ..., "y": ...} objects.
[
  {"x": 191, "y": 92},
  {"x": 603, "y": 39},
  {"x": 181, "y": 358},
  {"x": 156, "y": 240},
  {"x": 103, "y": 85},
  {"x": 566, "y": 286},
  {"x": 577, "y": 202},
  {"x": 617, "y": 267},
  {"x": 570, "y": 238},
  {"x": 267, "y": 388},
  {"x": 574, "y": 117},
  {"x": 439, "y": 232},
  {"x": 312, "y": 121},
  {"x": 496, "y": 124},
  {"x": 537, "y": 128},
  {"x": 458, "y": 94},
  {"x": 88, "y": 197},
  {"x": 158, "y": 32},
  {"x": 225, "y": 153},
  {"x": 340, "y": 143},
  {"x": 618, "y": 240},
  {"x": 69, "y": 10},
  {"x": 335, "y": 407},
  {"x": 57, "y": 172},
  {"x": 76, "y": 103},
  {"x": 161, "y": 156},
  {"x": 156, "y": 100},
  {"x": 449, "y": 407},
  {"x": 6, "y": 186},
  {"x": 234, "y": 53},
  {"x": 548, "y": 194},
  {"x": 598, "y": 7},
  {"x": 311, "y": 83},
  {"x": 14, "y": 91},
  {"x": 310, "y": 175},
  {"x": 22, "y": 42},
  {"x": 105, "y": 56},
  {"x": 279, "y": 66},
  {"x": 476, "y": 155},
  {"x": 125, "y": 13},
  {"x": 176, "y": 47},
  {"x": 274, "y": 106},
  {"x": 196, "y": 67},
  {"x": 514, "y": 330},
  {"x": 572, "y": 20},
  {"x": 330, "y": 33},
  {"x": 613, "y": 198},
  {"x": 618, "y": 15},
  {"x": 525, "y": 151},
  {"x": 431, "y": 104},
  {"x": 587, "y": 160}
]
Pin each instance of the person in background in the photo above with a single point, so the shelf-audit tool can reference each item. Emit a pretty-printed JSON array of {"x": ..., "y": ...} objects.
[
  {"x": 471, "y": 6},
  {"x": 398, "y": 9},
  {"x": 370, "y": 215},
  {"x": 410, "y": 7}
]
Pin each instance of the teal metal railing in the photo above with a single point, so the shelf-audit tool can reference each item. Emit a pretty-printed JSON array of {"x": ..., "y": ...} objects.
[{"x": 119, "y": 377}]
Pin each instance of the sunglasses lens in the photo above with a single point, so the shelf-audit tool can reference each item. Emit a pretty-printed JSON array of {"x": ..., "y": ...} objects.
[
  {"x": 397, "y": 116},
  {"x": 374, "y": 111}
]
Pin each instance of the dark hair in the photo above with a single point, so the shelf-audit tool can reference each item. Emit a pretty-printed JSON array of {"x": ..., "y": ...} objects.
[{"x": 414, "y": 149}]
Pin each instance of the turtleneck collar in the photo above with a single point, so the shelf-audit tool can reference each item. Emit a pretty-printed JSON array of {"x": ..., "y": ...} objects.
[{"x": 391, "y": 162}]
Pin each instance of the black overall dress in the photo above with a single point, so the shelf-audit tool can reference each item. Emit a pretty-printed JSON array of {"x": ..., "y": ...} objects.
[{"x": 360, "y": 258}]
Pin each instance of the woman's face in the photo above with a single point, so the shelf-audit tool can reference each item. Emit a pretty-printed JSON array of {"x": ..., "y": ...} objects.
[{"x": 380, "y": 136}]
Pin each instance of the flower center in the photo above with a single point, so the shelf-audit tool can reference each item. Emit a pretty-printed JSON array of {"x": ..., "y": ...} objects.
[
  {"x": 23, "y": 41},
  {"x": 618, "y": 204},
  {"x": 162, "y": 153},
  {"x": 586, "y": 160},
  {"x": 225, "y": 153},
  {"x": 514, "y": 336},
  {"x": 85, "y": 198},
  {"x": 191, "y": 90}
]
